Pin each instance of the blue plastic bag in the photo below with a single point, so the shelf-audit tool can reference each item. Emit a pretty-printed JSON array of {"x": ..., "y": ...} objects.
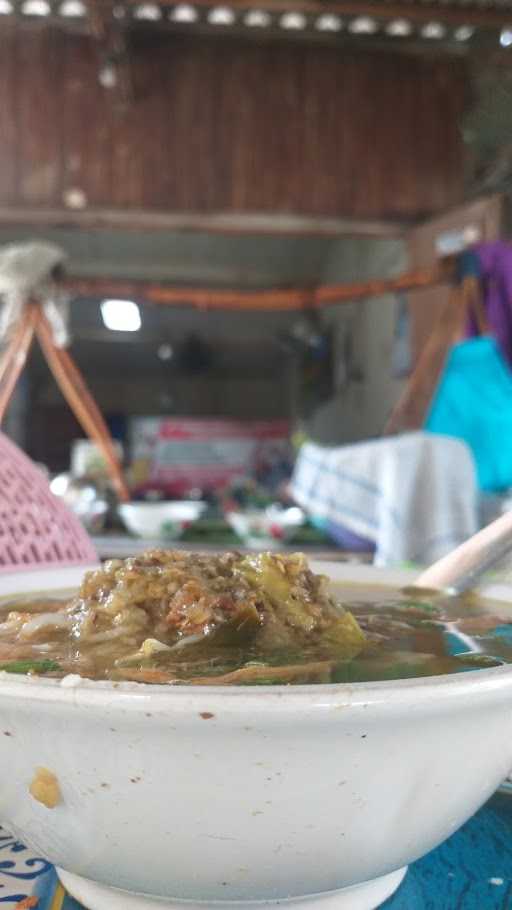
[{"x": 473, "y": 402}]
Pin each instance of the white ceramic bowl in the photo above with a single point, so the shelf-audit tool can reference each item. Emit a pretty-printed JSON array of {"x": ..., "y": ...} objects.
[
  {"x": 318, "y": 796},
  {"x": 266, "y": 528},
  {"x": 160, "y": 519}
]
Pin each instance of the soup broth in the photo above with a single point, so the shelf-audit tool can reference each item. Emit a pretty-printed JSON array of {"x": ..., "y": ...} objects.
[{"x": 176, "y": 618}]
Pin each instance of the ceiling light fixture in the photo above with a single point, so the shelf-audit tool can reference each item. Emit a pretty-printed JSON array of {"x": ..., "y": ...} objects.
[
  {"x": 35, "y": 8},
  {"x": 72, "y": 9},
  {"x": 184, "y": 13},
  {"x": 293, "y": 21},
  {"x": 506, "y": 37},
  {"x": 147, "y": 12},
  {"x": 433, "y": 30},
  {"x": 257, "y": 18},
  {"x": 328, "y": 22},
  {"x": 399, "y": 28},
  {"x": 221, "y": 15},
  {"x": 363, "y": 25},
  {"x": 464, "y": 33},
  {"x": 121, "y": 315}
]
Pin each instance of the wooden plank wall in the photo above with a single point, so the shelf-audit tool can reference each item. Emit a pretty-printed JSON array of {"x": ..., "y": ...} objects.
[{"x": 221, "y": 126}]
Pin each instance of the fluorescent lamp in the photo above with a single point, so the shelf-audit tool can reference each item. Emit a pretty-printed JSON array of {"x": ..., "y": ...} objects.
[{"x": 121, "y": 315}]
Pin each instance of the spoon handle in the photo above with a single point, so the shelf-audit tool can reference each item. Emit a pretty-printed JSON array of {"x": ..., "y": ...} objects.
[{"x": 459, "y": 570}]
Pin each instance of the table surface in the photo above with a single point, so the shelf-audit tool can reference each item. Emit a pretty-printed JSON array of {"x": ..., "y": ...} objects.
[{"x": 470, "y": 871}]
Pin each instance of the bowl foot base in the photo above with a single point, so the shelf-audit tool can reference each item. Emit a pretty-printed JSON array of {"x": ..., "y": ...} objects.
[{"x": 365, "y": 896}]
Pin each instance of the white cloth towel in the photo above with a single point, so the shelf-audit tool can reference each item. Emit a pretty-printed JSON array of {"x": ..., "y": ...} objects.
[{"x": 415, "y": 496}]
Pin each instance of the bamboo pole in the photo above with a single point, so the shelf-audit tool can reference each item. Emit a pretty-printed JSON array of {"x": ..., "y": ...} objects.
[
  {"x": 163, "y": 294},
  {"x": 411, "y": 409},
  {"x": 15, "y": 356},
  {"x": 81, "y": 402}
]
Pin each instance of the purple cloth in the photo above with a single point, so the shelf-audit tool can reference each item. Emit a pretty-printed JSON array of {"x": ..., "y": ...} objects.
[
  {"x": 495, "y": 261},
  {"x": 347, "y": 540}
]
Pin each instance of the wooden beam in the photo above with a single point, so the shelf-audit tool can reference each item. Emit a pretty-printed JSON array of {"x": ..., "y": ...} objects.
[
  {"x": 422, "y": 13},
  {"x": 214, "y": 223},
  {"x": 279, "y": 299}
]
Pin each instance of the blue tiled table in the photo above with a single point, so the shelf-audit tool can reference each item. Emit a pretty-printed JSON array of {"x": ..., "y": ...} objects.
[{"x": 470, "y": 871}]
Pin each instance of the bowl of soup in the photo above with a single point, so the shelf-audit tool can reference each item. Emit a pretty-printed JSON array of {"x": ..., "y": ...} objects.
[{"x": 175, "y": 728}]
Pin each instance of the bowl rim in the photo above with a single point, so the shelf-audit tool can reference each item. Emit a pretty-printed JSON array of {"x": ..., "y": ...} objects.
[
  {"x": 162, "y": 504},
  {"x": 387, "y": 694}
]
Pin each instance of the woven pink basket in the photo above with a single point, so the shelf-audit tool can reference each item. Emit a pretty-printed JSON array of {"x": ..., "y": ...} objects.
[{"x": 36, "y": 529}]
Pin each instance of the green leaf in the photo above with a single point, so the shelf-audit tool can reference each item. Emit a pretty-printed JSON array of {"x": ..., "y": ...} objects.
[{"x": 31, "y": 666}]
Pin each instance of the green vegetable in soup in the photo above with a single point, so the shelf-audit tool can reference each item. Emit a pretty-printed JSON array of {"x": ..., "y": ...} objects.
[
  {"x": 31, "y": 666},
  {"x": 265, "y": 574},
  {"x": 344, "y": 637}
]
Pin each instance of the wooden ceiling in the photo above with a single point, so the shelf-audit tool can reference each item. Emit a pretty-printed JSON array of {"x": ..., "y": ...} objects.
[
  {"x": 458, "y": 23},
  {"x": 456, "y": 26}
]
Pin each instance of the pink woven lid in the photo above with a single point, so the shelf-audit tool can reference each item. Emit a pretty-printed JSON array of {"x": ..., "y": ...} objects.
[{"x": 37, "y": 530}]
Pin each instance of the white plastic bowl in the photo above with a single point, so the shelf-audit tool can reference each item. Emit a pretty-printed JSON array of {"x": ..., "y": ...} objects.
[
  {"x": 160, "y": 519},
  {"x": 266, "y": 528},
  {"x": 318, "y": 796}
]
